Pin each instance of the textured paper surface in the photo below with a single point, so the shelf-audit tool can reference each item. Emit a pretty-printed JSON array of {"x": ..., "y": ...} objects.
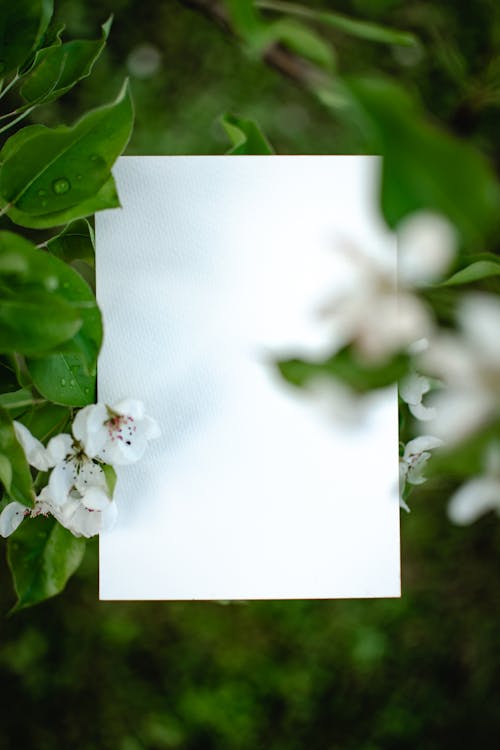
[{"x": 213, "y": 267}]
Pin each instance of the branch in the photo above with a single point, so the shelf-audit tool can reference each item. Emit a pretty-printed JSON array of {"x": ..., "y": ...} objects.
[{"x": 277, "y": 56}]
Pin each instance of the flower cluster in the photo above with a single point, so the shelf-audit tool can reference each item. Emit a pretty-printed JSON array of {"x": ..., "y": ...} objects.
[{"x": 79, "y": 491}]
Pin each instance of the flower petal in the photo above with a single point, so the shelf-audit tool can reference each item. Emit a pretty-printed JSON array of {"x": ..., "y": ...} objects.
[
  {"x": 130, "y": 407},
  {"x": 473, "y": 499},
  {"x": 426, "y": 246},
  {"x": 95, "y": 499},
  {"x": 36, "y": 454},
  {"x": 61, "y": 480},
  {"x": 89, "y": 428},
  {"x": 11, "y": 517},
  {"x": 59, "y": 447}
]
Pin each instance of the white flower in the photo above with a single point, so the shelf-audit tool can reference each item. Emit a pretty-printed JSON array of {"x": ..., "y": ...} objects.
[
  {"x": 412, "y": 389},
  {"x": 427, "y": 244},
  {"x": 469, "y": 364},
  {"x": 378, "y": 315},
  {"x": 11, "y": 517},
  {"x": 118, "y": 434},
  {"x": 35, "y": 452},
  {"x": 412, "y": 462},
  {"x": 480, "y": 494}
]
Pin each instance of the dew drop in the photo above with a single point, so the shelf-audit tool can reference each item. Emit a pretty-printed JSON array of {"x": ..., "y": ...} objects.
[
  {"x": 44, "y": 204},
  {"x": 94, "y": 157},
  {"x": 65, "y": 284},
  {"x": 86, "y": 390},
  {"x": 79, "y": 176},
  {"x": 72, "y": 382},
  {"x": 42, "y": 192},
  {"x": 61, "y": 186},
  {"x": 63, "y": 381}
]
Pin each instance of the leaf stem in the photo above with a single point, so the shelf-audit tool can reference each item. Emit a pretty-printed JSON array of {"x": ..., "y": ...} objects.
[
  {"x": 9, "y": 85},
  {"x": 18, "y": 119}
]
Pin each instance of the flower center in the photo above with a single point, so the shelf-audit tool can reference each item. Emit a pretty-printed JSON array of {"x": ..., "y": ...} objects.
[{"x": 121, "y": 427}]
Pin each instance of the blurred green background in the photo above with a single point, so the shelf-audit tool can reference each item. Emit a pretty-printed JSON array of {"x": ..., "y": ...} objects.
[{"x": 420, "y": 672}]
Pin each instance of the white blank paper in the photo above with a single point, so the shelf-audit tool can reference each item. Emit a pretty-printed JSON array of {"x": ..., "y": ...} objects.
[{"x": 214, "y": 268}]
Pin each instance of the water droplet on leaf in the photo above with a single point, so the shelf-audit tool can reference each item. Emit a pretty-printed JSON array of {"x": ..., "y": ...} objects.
[
  {"x": 72, "y": 382},
  {"x": 61, "y": 186},
  {"x": 63, "y": 381},
  {"x": 41, "y": 193}
]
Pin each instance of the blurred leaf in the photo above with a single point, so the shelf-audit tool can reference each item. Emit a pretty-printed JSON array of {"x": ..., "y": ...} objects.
[
  {"x": 346, "y": 367},
  {"x": 361, "y": 29},
  {"x": 22, "y": 23},
  {"x": 58, "y": 68},
  {"x": 75, "y": 242},
  {"x": 424, "y": 167},
  {"x": 481, "y": 269},
  {"x": 64, "y": 379},
  {"x": 245, "y": 135},
  {"x": 16, "y": 474},
  {"x": 465, "y": 459},
  {"x": 106, "y": 197},
  {"x": 303, "y": 41},
  {"x": 42, "y": 556},
  {"x": 52, "y": 173}
]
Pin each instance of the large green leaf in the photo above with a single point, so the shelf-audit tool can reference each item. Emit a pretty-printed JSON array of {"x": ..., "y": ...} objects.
[
  {"x": 106, "y": 197},
  {"x": 64, "y": 379},
  {"x": 424, "y": 167},
  {"x": 15, "y": 472},
  {"x": 51, "y": 173},
  {"x": 42, "y": 556},
  {"x": 245, "y": 135},
  {"x": 22, "y": 23},
  {"x": 45, "y": 303},
  {"x": 58, "y": 68}
]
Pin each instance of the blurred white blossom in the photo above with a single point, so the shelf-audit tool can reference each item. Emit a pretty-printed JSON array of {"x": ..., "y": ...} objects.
[
  {"x": 468, "y": 363},
  {"x": 480, "y": 494},
  {"x": 380, "y": 315}
]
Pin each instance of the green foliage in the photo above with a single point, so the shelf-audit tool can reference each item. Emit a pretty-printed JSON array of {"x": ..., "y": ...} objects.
[
  {"x": 50, "y": 324},
  {"x": 424, "y": 167},
  {"x": 245, "y": 135},
  {"x": 54, "y": 171},
  {"x": 14, "y": 470},
  {"x": 348, "y": 368},
  {"x": 22, "y": 24},
  {"x": 56, "y": 69},
  {"x": 42, "y": 556},
  {"x": 476, "y": 271}
]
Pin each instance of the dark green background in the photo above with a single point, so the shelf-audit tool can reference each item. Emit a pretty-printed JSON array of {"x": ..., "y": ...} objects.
[{"x": 420, "y": 672}]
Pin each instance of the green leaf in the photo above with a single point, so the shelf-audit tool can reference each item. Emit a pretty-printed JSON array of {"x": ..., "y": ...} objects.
[
  {"x": 22, "y": 23},
  {"x": 42, "y": 556},
  {"x": 424, "y": 167},
  {"x": 16, "y": 399},
  {"x": 75, "y": 242},
  {"x": 46, "y": 420},
  {"x": 58, "y": 68},
  {"x": 245, "y": 135},
  {"x": 16, "y": 474},
  {"x": 19, "y": 139},
  {"x": 346, "y": 367},
  {"x": 371, "y": 32},
  {"x": 53, "y": 172},
  {"x": 64, "y": 379},
  {"x": 111, "y": 478},
  {"x": 107, "y": 197},
  {"x": 303, "y": 41},
  {"x": 46, "y": 304},
  {"x": 481, "y": 269}
]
